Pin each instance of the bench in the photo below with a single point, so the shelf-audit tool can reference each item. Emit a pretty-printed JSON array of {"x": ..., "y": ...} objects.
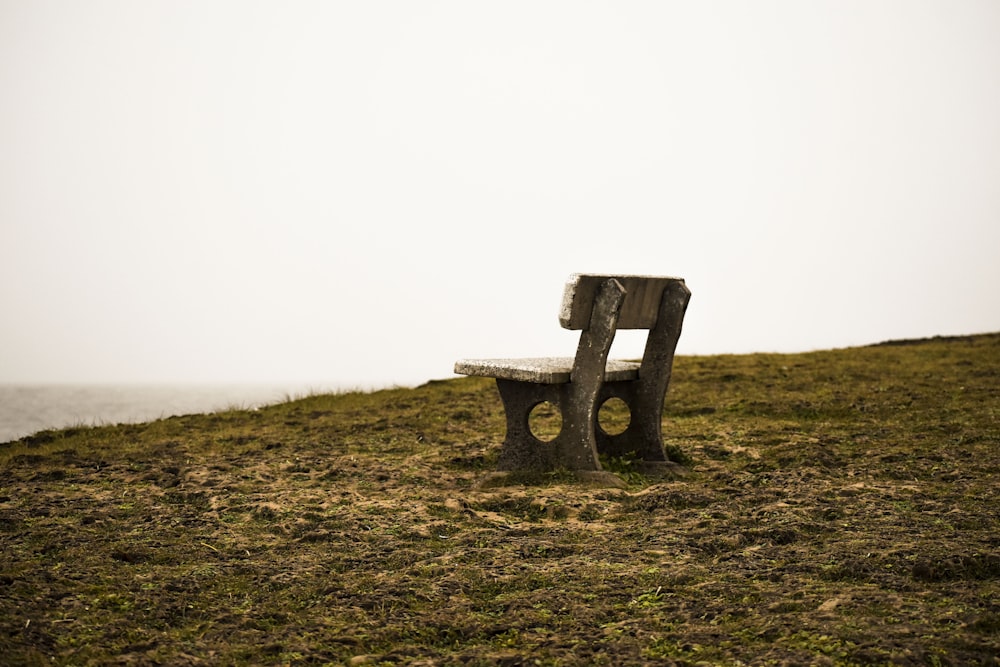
[{"x": 597, "y": 306}]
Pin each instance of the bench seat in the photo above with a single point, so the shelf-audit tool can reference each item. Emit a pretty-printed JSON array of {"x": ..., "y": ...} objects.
[{"x": 543, "y": 370}]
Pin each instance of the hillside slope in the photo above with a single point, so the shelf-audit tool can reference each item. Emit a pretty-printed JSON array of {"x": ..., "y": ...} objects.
[{"x": 840, "y": 507}]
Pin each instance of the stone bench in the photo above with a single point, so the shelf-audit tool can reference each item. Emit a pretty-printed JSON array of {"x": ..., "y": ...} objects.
[{"x": 597, "y": 306}]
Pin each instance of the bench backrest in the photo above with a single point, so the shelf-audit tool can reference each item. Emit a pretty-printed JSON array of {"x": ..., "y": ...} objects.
[{"x": 639, "y": 310}]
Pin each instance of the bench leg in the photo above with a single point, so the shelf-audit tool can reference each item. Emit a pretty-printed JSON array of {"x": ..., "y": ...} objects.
[
  {"x": 575, "y": 448},
  {"x": 643, "y": 438}
]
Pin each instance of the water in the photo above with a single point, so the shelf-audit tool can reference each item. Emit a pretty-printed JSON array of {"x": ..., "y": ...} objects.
[{"x": 27, "y": 409}]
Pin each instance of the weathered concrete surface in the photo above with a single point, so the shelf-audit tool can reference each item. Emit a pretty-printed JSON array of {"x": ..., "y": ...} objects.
[
  {"x": 639, "y": 311},
  {"x": 544, "y": 370}
]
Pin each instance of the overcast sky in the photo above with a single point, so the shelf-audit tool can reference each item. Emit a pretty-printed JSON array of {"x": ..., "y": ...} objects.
[{"x": 360, "y": 193}]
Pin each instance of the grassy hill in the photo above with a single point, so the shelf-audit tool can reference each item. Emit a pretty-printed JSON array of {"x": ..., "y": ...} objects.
[{"x": 839, "y": 507}]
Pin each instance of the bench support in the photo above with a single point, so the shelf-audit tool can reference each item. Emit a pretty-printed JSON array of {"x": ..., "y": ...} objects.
[
  {"x": 644, "y": 397},
  {"x": 575, "y": 448}
]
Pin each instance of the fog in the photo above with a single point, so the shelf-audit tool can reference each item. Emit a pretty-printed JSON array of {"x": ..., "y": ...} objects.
[{"x": 360, "y": 193}]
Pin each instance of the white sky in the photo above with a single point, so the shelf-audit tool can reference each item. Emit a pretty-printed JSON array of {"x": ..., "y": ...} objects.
[{"x": 363, "y": 192}]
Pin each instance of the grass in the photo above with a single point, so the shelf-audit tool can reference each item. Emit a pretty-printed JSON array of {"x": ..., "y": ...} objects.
[{"x": 840, "y": 507}]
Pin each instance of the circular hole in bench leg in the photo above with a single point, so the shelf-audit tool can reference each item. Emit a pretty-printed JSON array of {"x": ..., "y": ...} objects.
[
  {"x": 545, "y": 421},
  {"x": 614, "y": 416}
]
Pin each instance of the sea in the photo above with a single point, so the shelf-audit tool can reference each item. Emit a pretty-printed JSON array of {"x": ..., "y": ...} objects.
[{"x": 28, "y": 409}]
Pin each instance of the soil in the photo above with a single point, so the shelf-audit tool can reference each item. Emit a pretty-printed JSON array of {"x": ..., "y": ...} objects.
[{"x": 838, "y": 507}]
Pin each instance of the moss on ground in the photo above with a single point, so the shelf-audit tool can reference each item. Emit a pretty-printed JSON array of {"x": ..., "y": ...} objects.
[{"x": 840, "y": 507}]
